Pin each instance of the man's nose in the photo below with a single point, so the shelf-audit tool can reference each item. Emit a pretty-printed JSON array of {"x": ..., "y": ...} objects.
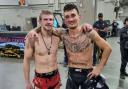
[{"x": 70, "y": 19}]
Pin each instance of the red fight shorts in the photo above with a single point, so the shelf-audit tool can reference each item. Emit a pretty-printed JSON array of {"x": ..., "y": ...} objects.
[{"x": 49, "y": 80}]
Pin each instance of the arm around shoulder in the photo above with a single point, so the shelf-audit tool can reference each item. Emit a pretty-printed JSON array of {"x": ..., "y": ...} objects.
[
  {"x": 33, "y": 33},
  {"x": 58, "y": 31}
]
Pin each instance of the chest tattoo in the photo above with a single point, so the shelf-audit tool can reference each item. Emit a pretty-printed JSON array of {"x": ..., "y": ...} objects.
[{"x": 78, "y": 44}]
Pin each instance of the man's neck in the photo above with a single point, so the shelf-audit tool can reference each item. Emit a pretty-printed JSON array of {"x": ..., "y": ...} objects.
[
  {"x": 75, "y": 32},
  {"x": 46, "y": 33}
]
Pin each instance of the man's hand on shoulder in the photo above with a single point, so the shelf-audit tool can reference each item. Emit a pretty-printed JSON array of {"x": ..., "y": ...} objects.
[
  {"x": 58, "y": 31},
  {"x": 87, "y": 27},
  {"x": 32, "y": 33}
]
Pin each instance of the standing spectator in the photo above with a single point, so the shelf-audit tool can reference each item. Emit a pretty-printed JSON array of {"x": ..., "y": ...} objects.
[
  {"x": 124, "y": 49},
  {"x": 101, "y": 27},
  {"x": 114, "y": 28}
]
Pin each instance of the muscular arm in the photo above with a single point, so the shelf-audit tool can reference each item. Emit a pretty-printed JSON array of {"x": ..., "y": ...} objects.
[
  {"x": 28, "y": 52},
  {"x": 102, "y": 44},
  {"x": 56, "y": 32}
]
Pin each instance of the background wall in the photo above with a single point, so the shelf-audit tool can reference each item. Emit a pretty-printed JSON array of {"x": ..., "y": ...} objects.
[
  {"x": 107, "y": 8},
  {"x": 124, "y": 13},
  {"x": 8, "y": 2},
  {"x": 13, "y": 14},
  {"x": 87, "y": 10}
]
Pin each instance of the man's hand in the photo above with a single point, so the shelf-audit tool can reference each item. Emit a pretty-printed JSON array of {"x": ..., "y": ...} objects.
[
  {"x": 96, "y": 29},
  {"x": 106, "y": 29},
  {"x": 95, "y": 72},
  {"x": 31, "y": 34},
  {"x": 29, "y": 86},
  {"x": 87, "y": 27}
]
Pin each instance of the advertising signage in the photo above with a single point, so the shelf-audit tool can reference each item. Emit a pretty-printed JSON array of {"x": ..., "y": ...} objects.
[{"x": 12, "y": 44}]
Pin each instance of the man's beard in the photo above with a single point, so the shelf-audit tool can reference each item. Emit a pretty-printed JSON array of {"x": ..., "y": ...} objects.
[{"x": 48, "y": 28}]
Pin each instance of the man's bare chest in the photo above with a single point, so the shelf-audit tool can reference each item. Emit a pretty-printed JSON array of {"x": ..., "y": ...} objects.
[
  {"x": 78, "y": 44},
  {"x": 46, "y": 45}
]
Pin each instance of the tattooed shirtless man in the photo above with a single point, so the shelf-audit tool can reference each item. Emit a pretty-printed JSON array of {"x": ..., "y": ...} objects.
[{"x": 79, "y": 47}]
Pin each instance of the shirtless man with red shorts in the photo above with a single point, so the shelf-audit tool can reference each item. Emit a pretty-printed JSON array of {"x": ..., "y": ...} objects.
[{"x": 43, "y": 48}]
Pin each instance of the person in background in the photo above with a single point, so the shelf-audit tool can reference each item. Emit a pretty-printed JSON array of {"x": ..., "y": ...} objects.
[
  {"x": 101, "y": 27},
  {"x": 114, "y": 28},
  {"x": 124, "y": 49}
]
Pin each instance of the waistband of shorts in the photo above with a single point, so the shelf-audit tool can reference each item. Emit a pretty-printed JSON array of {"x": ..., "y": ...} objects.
[
  {"x": 49, "y": 74},
  {"x": 71, "y": 69}
]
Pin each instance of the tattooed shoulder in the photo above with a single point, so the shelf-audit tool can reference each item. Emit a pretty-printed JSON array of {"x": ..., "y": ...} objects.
[{"x": 29, "y": 43}]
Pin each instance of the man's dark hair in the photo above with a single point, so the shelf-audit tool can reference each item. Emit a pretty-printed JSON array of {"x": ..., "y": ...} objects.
[
  {"x": 100, "y": 15},
  {"x": 126, "y": 19},
  {"x": 70, "y": 6}
]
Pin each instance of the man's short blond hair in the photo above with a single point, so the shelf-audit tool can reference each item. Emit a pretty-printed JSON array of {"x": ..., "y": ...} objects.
[{"x": 45, "y": 12}]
